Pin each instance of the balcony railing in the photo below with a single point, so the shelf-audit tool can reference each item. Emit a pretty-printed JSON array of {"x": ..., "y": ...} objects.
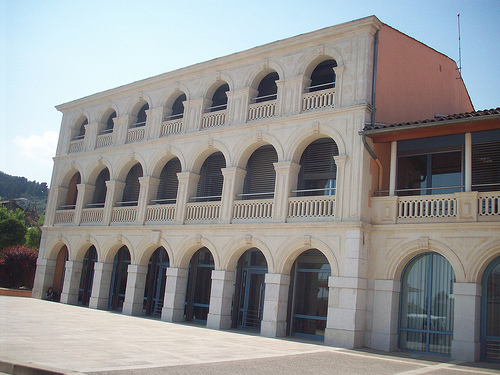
[
  {"x": 92, "y": 215},
  {"x": 124, "y": 214},
  {"x": 315, "y": 206},
  {"x": 213, "y": 119},
  {"x": 253, "y": 209},
  {"x": 428, "y": 206},
  {"x": 160, "y": 213},
  {"x": 136, "y": 134},
  {"x": 203, "y": 211},
  {"x": 489, "y": 204},
  {"x": 318, "y": 99},
  {"x": 64, "y": 216},
  {"x": 104, "y": 140},
  {"x": 262, "y": 110},
  {"x": 76, "y": 146},
  {"x": 171, "y": 126}
]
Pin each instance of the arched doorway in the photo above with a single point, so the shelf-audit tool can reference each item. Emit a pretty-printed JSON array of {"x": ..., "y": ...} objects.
[
  {"x": 308, "y": 302},
  {"x": 119, "y": 279},
  {"x": 490, "y": 313},
  {"x": 427, "y": 304},
  {"x": 249, "y": 290},
  {"x": 199, "y": 286},
  {"x": 87, "y": 277},
  {"x": 60, "y": 271},
  {"x": 155, "y": 282}
]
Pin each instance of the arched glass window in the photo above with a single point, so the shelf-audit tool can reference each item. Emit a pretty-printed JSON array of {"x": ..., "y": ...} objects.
[
  {"x": 490, "y": 313},
  {"x": 141, "y": 116},
  {"x": 72, "y": 195},
  {"x": 211, "y": 179},
  {"x": 155, "y": 282},
  {"x": 132, "y": 186},
  {"x": 427, "y": 305},
  {"x": 318, "y": 171},
  {"x": 87, "y": 276},
  {"x": 178, "y": 108},
  {"x": 309, "y": 295},
  {"x": 323, "y": 76},
  {"x": 267, "y": 88},
  {"x": 261, "y": 175},
  {"x": 81, "y": 130},
  {"x": 219, "y": 98},
  {"x": 110, "y": 123},
  {"x": 167, "y": 189},
  {"x": 119, "y": 279},
  {"x": 199, "y": 286},
  {"x": 99, "y": 196}
]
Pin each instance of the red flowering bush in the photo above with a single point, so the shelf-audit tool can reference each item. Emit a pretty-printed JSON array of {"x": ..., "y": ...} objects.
[{"x": 17, "y": 267}]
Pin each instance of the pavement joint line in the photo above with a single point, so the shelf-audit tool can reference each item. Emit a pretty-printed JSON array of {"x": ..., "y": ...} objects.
[{"x": 432, "y": 368}]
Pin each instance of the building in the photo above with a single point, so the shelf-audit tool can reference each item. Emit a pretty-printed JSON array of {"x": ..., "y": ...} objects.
[{"x": 258, "y": 191}]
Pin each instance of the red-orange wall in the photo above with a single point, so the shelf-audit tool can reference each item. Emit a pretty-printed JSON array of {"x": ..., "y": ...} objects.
[{"x": 415, "y": 82}]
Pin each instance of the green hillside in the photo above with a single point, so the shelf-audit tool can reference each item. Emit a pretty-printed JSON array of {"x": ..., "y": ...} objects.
[{"x": 13, "y": 187}]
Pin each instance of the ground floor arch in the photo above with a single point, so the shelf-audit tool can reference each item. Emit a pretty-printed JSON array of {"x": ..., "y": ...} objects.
[
  {"x": 155, "y": 282},
  {"x": 87, "y": 277},
  {"x": 427, "y": 305},
  {"x": 199, "y": 286},
  {"x": 119, "y": 279},
  {"x": 60, "y": 270},
  {"x": 308, "y": 295},
  {"x": 490, "y": 312}
]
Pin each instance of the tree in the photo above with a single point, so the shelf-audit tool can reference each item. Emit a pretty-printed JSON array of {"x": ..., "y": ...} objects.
[
  {"x": 17, "y": 267},
  {"x": 33, "y": 237},
  {"x": 12, "y": 228}
]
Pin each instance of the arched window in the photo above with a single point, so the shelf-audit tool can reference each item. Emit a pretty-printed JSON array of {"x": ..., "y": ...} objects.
[
  {"x": 81, "y": 130},
  {"x": 155, "y": 282},
  {"x": 119, "y": 279},
  {"x": 318, "y": 171},
  {"x": 132, "y": 186},
  {"x": 219, "y": 99},
  {"x": 167, "y": 189},
  {"x": 267, "y": 88},
  {"x": 323, "y": 76},
  {"x": 87, "y": 276},
  {"x": 72, "y": 195},
  {"x": 211, "y": 179},
  {"x": 110, "y": 123},
  {"x": 141, "y": 116},
  {"x": 199, "y": 286},
  {"x": 427, "y": 305},
  {"x": 490, "y": 312},
  {"x": 261, "y": 176},
  {"x": 177, "y": 108},
  {"x": 99, "y": 196},
  {"x": 309, "y": 295}
]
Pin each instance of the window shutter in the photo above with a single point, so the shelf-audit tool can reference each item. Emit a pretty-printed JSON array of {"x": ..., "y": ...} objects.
[
  {"x": 211, "y": 179},
  {"x": 486, "y": 166},
  {"x": 168, "y": 180},
  {"x": 132, "y": 185},
  {"x": 267, "y": 87},
  {"x": 100, "y": 187},
  {"x": 261, "y": 176}
]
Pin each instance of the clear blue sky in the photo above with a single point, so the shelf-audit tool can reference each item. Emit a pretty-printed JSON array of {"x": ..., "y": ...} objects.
[{"x": 53, "y": 52}]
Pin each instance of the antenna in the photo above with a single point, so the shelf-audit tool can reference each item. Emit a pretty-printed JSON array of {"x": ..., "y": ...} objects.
[{"x": 459, "y": 47}]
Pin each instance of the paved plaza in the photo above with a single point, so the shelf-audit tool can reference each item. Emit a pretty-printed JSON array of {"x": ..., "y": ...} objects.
[{"x": 71, "y": 339}]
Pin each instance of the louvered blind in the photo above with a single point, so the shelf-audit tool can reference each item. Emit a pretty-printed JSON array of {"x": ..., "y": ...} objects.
[
  {"x": 323, "y": 76},
  {"x": 211, "y": 179},
  {"x": 178, "y": 107},
  {"x": 132, "y": 185},
  {"x": 486, "y": 166},
  {"x": 100, "y": 187},
  {"x": 168, "y": 181},
  {"x": 261, "y": 176},
  {"x": 267, "y": 88}
]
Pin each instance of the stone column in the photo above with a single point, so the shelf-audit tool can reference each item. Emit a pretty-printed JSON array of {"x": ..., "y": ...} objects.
[
  {"x": 466, "y": 325},
  {"x": 155, "y": 117},
  {"x": 345, "y": 323},
  {"x": 72, "y": 277},
  {"x": 90, "y": 140},
  {"x": 275, "y": 305},
  {"x": 340, "y": 161},
  {"x": 393, "y": 170},
  {"x": 121, "y": 128},
  {"x": 234, "y": 178},
  {"x": 175, "y": 295},
  {"x": 44, "y": 277},
  {"x": 134, "y": 292},
  {"x": 292, "y": 90},
  {"x": 385, "y": 315},
  {"x": 85, "y": 192},
  {"x": 114, "y": 193},
  {"x": 149, "y": 188},
  {"x": 286, "y": 180},
  {"x": 193, "y": 111},
  {"x": 188, "y": 182},
  {"x": 221, "y": 298},
  {"x": 237, "y": 105},
  {"x": 100, "y": 285}
]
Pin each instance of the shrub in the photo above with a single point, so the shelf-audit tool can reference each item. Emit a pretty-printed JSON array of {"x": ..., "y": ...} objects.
[
  {"x": 33, "y": 237},
  {"x": 17, "y": 267},
  {"x": 12, "y": 228}
]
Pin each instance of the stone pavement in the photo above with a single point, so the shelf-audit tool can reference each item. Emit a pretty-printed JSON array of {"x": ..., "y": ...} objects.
[{"x": 69, "y": 339}]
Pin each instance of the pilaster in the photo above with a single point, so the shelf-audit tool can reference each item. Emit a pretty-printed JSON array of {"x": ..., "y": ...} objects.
[
  {"x": 340, "y": 162},
  {"x": 393, "y": 170},
  {"x": 275, "y": 305},
  {"x": 100, "y": 285},
  {"x": 234, "y": 178},
  {"x": 90, "y": 140},
  {"x": 149, "y": 187},
  {"x": 72, "y": 277},
  {"x": 193, "y": 110},
  {"x": 114, "y": 192},
  {"x": 134, "y": 292},
  {"x": 155, "y": 118},
  {"x": 175, "y": 295},
  {"x": 44, "y": 277},
  {"x": 385, "y": 315},
  {"x": 292, "y": 91},
  {"x": 121, "y": 128},
  {"x": 286, "y": 181},
  {"x": 85, "y": 192},
  {"x": 188, "y": 182},
  {"x": 237, "y": 105},
  {"x": 221, "y": 298}
]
